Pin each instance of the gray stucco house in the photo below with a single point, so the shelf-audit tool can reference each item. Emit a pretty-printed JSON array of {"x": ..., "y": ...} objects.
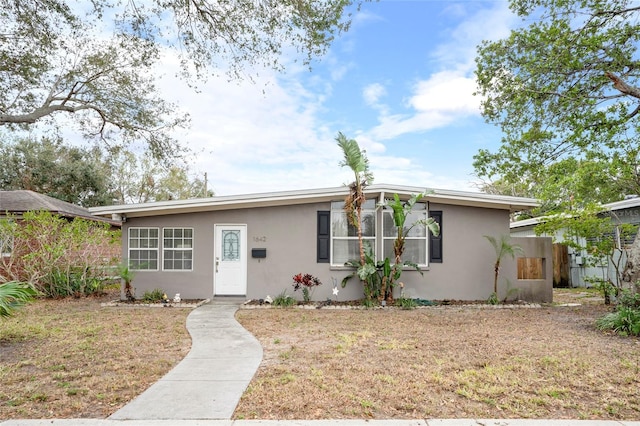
[{"x": 252, "y": 245}]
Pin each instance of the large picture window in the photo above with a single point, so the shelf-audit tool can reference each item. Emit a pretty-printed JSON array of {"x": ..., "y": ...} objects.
[
  {"x": 415, "y": 248},
  {"x": 143, "y": 249},
  {"x": 177, "y": 249},
  {"x": 344, "y": 236}
]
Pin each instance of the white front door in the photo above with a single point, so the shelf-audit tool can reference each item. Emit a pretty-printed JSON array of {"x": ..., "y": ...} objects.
[{"x": 230, "y": 263}]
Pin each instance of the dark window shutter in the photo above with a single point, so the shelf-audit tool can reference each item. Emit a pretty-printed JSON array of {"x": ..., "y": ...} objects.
[
  {"x": 435, "y": 243},
  {"x": 324, "y": 237}
]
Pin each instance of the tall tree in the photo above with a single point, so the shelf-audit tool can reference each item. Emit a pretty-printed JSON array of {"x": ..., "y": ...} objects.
[
  {"x": 142, "y": 178},
  {"x": 90, "y": 177},
  {"x": 73, "y": 174},
  {"x": 93, "y": 61},
  {"x": 565, "y": 85},
  {"x": 356, "y": 159}
]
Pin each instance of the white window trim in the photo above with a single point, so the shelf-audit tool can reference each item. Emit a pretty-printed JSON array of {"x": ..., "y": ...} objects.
[
  {"x": 425, "y": 238},
  {"x": 176, "y": 249},
  {"x": 157, "y": 249},
  {"x": 373, "y": 239}
]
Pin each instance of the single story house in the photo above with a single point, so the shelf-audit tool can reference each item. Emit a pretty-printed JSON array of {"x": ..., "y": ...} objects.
[
  {"x": 14, "y": 204},
  {"x": 252, "y": 245},
  {"x": 580, "y": 266}
]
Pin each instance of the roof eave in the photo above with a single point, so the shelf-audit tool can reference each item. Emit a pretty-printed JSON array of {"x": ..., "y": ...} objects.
[{"x": 310, "y": 196}]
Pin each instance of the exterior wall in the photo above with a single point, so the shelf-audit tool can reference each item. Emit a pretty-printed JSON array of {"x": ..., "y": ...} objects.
[
  {"x": 466, "y": 272},
  {"x": 288, "y": 233},
  {"x": 532, "y": 290}
]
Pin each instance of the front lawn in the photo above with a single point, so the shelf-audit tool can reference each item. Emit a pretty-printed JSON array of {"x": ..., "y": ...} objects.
[
  {"x": 70, "y": 358},
  {"x": 444, "y": 362},
  {"x": 74, "y": 358}
]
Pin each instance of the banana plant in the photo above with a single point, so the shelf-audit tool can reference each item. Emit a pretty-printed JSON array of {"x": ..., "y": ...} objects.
[
  {"x": 367, "y": 272},
  {"x": 401, "y": 210}
]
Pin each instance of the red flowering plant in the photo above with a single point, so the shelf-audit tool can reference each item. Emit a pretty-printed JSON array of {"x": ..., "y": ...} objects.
[{"x": 305, "y": 282}]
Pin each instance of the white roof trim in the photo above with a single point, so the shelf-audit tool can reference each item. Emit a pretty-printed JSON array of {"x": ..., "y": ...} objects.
[
  {"x": 230, "y": 202},
  {"x": 616, "y": 205},
  {"x": 624, "y": 204}
]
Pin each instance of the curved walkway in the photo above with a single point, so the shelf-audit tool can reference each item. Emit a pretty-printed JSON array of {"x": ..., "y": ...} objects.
[{"x": 209, "y": 381}]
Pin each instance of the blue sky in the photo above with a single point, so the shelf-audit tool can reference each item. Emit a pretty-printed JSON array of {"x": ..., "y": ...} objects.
[{"x": 400, "y": 82}]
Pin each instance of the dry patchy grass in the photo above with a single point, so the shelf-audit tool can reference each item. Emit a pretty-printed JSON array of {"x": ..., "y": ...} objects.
[
  {"x": 440, "y": 362},
  {"x": 71, "y": 358}
]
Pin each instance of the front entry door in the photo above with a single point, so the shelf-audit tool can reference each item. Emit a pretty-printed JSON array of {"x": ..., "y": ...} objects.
[{"x": 230, "y": 263}]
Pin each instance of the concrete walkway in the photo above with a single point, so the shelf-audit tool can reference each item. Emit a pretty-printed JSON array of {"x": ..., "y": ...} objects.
[{"x": 209, "y": 381}]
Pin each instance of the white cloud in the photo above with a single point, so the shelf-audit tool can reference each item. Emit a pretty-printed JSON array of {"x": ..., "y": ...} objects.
[
  {"x": 256, "y": 137},
  {"x": 372, "y": 94},
  {"x": 447, "y": 92},
  {"x": 476, "y": 25}
]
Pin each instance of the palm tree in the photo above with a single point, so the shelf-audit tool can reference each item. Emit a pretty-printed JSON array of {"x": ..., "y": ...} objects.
[
  {"x": 14, "y": 294},
  {"x": 356, "y": 160},
  {"x": 502, "y": 248}
]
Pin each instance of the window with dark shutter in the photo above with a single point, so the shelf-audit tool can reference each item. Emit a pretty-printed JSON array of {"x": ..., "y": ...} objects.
[
  {"x": 435, "y": 242},
  {"x": 324, "y": 237}
]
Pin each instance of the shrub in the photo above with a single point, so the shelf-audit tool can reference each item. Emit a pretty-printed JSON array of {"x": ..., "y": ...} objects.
[
  {"x": 13, "y": 295},
  {"x": 155, "y": 295},
  {"x": 625, "y": 321},
  {"x": 406, "y": 303},
  {"x": 628, "y": 298},
  {"x": 57, "y": 257},
  {"x": 306, "y": 282},
  {"x": 284, "y": 300}
]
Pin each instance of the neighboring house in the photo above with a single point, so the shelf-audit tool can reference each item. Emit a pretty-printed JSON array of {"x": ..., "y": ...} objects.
[
  {"x": 252, "y": 245},
  {"x": 581, "y": 267},
  {"x": 13, "y": 205},
  {"x": 16, "y": 203}
]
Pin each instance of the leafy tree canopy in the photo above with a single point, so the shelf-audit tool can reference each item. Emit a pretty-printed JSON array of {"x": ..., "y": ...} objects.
[
  {"x": 564, "y": 89},
  {"x": 142, "y": 179},
  {"x": 90, "y": 177},
  {"x": 72, "y": 174},
  {"x": 93, "y": 60}
]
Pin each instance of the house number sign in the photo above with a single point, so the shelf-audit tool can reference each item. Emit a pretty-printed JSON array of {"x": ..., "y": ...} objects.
[{"x": 260, "y": 239}]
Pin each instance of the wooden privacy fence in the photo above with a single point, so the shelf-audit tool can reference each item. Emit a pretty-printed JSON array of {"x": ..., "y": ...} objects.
[
  {"x": 532, "y": 268},
  {"x": 560, "y": 265}
]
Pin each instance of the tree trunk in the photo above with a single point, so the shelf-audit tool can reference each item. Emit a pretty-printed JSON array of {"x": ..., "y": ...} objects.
[{"x": 631, "y": 272}]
